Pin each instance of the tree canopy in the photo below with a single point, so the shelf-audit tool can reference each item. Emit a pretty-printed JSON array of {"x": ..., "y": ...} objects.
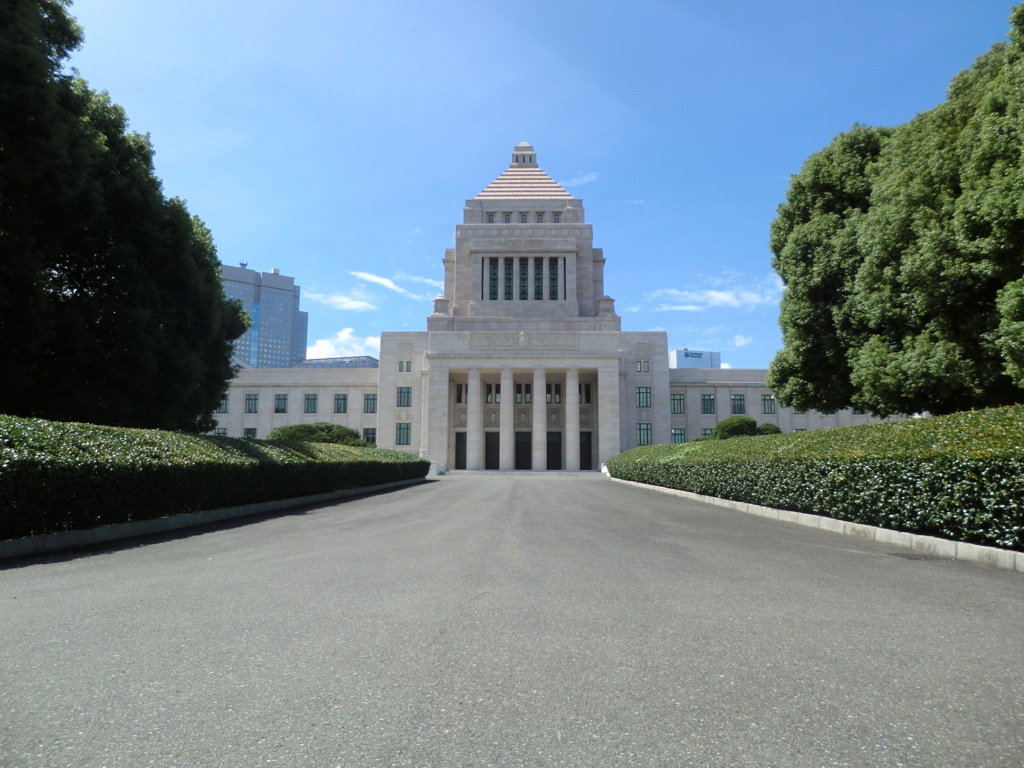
[
  {"x": 901, "y": 252},
  {"x": 318, "y": 432},
  {"x": 111, "y": 307}
]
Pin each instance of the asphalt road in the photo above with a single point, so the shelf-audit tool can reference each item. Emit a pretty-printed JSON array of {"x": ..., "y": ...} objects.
[{"x": 510, "y": 620}]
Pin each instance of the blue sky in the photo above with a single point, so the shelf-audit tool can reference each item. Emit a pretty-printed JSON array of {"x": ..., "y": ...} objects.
[{"x": 338, "y": 141}]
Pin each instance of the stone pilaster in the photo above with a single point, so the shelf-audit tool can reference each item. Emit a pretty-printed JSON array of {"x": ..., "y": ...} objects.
[
  {"x": 540, "y": 421},
  {"x": 572, "y": 419}
]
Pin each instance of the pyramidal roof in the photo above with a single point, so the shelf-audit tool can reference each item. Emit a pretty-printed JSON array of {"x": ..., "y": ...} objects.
[{"x": 523, "y": 180}]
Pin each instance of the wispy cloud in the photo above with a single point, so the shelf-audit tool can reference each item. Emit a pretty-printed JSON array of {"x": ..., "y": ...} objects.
[
  {"x": 357, "y": 301},
  {"x": 579, "y": 181},
  {"x": 425, "y": 280},
  {"x": 739, "y": 340},
  {"x": 728, "y": 296},
  {"x": 344, "y": 344},
  {"x": 390, "y": 284}
]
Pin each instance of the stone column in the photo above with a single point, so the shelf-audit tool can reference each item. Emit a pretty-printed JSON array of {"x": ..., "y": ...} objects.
[
  {"x": 507, "y": 444},
  {"x": 540, "y": 420},
  {"x": 474, "y": 421},
  {"x": 572, "y": 418},
  {"x": 608, "y": 411},
  {"x": 436, "y": 417}
]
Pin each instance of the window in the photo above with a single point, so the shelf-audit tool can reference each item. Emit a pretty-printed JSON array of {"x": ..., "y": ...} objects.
[
  {"x": 553, "y": 279},
  {"x": 799, "y": 430},
  {"x": 523, "y": 393},
  {"x": 370, "y": 406},
  {"x": 524, "y": 278},
  {"x": 309, "y": 404},
  {"x": 540, "y": 218},
  {"x": 767, "y": 403},
  {"x": 280, "y": 403},
  {"x": 554, "y": 393},
  {"x": 643, "y": 397},
  {"x": 678, "y": 435},
  {"x": 799, "y": 410},
  {"x": 408, "y": 366},
  {"x": 557, "y": 217},
  {"x": 522, "y": 218},
  {"x": 223, "y": 407},
  {"x": 249, "y": 433},
  {"x": 856, "y": 411},
  {"x": 678, "y": 403},
  {"x": 252, "y": 403},
  {"x": 404, "y": 397},
  {"x": 538, "y": 278},
  {"x": 401, "y": 366},
  {"x": 341, "y": 403},
  {"x": 584, "y": 393},
  {"x": 370, "y": 436},
  {"x": 220, "y": 432},
  {"x": 705, "y": 432},
  {"x": 493, "y": 393},
  {"x": 739, "y": 404},
  {"x": 403, "y": 434},
  {"x": 707, "y": 403},
  {"x": 509, "y": 278},
  {"x": 508, "y": 218},
  {"x": 490, "y": 218},
  {"x": 643, "y": 434},
  {"x": 459, "y": 394},
  {"x": 492, "y": 279},
  {"x": 643, "y": 366}
]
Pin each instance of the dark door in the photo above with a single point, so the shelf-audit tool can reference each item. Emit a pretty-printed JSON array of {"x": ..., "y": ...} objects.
[
  {"x": 586, "y": 457},
  {"x": 492, "y": 446},
  {"x": 524, "y": 450},
  {"x": 554, "y": 450},
  {"x": 460, "y": 450}
]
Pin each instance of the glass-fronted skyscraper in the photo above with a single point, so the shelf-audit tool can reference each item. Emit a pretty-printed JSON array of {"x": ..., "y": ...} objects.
[{"x": 277, "y": 338}]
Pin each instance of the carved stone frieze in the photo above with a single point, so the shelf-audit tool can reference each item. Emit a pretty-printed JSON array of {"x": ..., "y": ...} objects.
[{"x": 524, "y": 340}]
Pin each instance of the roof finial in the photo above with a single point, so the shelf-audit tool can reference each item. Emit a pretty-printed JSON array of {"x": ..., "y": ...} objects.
[{"x": 523, "y": 156}]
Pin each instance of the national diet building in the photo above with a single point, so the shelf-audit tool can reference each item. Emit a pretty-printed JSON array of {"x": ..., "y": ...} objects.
[{"x": 523, "y": 364}]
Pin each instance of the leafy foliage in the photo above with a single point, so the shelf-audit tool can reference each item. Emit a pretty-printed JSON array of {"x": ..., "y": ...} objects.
[
  {"x": 901, "y": 254},
  {"x": 58, "y": 476},
  {"x": 318, "y": 432},
  {"x": 111, "y": 306},
  {"x": 734, "y": 426},
  {"x": 959, "y": 476},
  {"x": 768, "y": 429}
]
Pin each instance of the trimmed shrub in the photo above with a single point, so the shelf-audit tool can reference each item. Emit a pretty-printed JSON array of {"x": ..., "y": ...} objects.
[
  {"x": 958, "y": 477},
  {"x": 57, "y": 476},
  {"x": 768, "y": 429},
  {"x": 734, "y": 426},
  {"x": 318, "y": 432}
]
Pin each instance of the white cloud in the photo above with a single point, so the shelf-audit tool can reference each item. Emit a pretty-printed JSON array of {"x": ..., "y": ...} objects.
[
  {"x": 741, "y": 341},
  {"x": 425, "y": 280},
  {"x": 356, "y": 301},
  {"x": 344, "y": 344},
  {"x": 391, "y": 285},
  {"x": 735, "y": 297},
  {"x": 727, "y": 365},
  {"x": 579, "y": 181}
]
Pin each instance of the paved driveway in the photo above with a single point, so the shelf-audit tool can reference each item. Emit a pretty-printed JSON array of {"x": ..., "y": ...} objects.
[{"x": 510, "y": 620}]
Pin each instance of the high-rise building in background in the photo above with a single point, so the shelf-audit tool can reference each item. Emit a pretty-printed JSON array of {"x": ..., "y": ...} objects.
[
  {"x": 277, "y": 337},
  {"x": 691, "y": 358}
]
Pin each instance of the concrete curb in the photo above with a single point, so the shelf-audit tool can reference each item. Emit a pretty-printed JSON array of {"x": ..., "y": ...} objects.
[
  {"x": 54, "y": 542},
  {"x": 1004, "y": 559}
]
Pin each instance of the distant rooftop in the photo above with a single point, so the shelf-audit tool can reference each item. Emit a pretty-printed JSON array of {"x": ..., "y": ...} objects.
[
  {"x": 523, "y": 180},
  {"x": 362, "y": 361}
]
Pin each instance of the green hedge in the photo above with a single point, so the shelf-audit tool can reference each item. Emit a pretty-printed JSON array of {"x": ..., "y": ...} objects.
[
  {"x": 957, "y": 477},
  {"x": 57, "y": 476}
]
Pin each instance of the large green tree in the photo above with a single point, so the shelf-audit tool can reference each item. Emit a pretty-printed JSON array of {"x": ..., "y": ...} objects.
[
  {"x": 112, "y": 310},
  {"x": 911, "y": 299}
]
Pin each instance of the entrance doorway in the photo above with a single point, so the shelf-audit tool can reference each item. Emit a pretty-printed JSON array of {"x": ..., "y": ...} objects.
[
  {"x": 586, "y": 455},
  {"x": 492, "y": 447},
  {"x": 524, "y": 450},
  {"x": 554, "y": 450},
  {"x": 460, "y": 450}
]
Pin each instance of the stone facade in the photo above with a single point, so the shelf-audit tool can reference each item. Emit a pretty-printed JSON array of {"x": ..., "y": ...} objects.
[{"x": 523, "y": 364}]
